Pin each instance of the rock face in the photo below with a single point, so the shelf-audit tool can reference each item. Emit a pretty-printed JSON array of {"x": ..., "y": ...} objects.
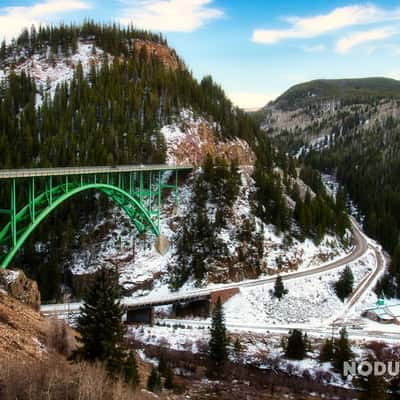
[
  {"x": 18, "y": 286},
  {"x": 198, "y": 138},
  {"x": 161, "y": 52},
  {"x": 162, "y": 245}
]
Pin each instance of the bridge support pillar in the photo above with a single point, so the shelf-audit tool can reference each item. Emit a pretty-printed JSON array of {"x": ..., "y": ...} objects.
[
  {"x": 162, "y": 245},
  {"x": 140, "y": 316}
]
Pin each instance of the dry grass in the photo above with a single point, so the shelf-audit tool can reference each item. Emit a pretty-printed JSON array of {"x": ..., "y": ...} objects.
[
  {"x": 56, "y": 379},
  {"x": 60, "y": 337}
]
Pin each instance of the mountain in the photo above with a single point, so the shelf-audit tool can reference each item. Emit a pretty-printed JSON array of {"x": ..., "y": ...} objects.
[
  {"x": 348, "y": 90},
  {"x": 350, "y": 129},
  {"x": 95, "y": 94},
  {"x": 99, "y": 94}
]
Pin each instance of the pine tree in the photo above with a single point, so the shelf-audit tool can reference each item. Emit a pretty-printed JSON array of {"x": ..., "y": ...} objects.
[
  {"x": 326, "y": 352},
  {"x": 154, "y": 381},
  {"x": 162, "y": 364},
  {"x": 100, "y": 322},
  {"x": 344, "y": 286},
  {"x": 166, "y": 371},
  {"x": 208, "y": 169},
  {"x": 372, "y": 387},
  {"x": 279, "y": 288},
  {"x": 130, "y": 370},
  {"x": 218, "y": 341},
  {"x": 341, "y": 351},
  {"x": 296, "y": 345},
  {"x": 169, "y": 378},
  {"x": 394, "y": 388}
]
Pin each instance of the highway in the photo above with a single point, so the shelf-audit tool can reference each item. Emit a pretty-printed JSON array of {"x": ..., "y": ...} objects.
[
  {"x": 359, "y": 249},
  {"x": 355, "y": 333}
]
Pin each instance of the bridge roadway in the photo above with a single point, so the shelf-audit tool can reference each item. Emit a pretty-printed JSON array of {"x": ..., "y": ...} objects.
[
  {"x": 136, "y": 303},
  {"x": 34, "y": 172},
  {"x": 359, "y": 249}
]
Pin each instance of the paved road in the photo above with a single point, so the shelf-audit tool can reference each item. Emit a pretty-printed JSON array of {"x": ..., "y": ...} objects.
[
  {"x": 321, "y": 332},
  {"x": 359, "y": 249},
  {"x": 355, "y": 330}
]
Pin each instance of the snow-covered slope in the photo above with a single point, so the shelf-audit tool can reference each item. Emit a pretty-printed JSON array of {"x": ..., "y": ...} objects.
[
  {"x": 311, "y": 300},
  {"x": 49, "y": 72},
  {"x": 148, "y": 271}
]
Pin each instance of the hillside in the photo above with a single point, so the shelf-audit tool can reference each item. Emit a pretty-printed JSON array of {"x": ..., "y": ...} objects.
[
  {"x": 347, "y": 90},
  {"x": 251, "y": 209},
  {"x": 96, "y": 95},
  {"x": 355, "y": 138}
]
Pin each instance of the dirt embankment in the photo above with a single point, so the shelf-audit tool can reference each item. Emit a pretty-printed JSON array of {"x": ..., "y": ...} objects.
[{"x": 23, "y": 331}]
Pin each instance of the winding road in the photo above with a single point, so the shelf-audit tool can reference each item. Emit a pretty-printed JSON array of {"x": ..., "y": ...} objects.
[{"x": 360, "y": 248}]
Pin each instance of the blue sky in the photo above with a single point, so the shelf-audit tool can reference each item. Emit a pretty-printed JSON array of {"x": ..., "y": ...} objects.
[{"x": 254, "y": 49}]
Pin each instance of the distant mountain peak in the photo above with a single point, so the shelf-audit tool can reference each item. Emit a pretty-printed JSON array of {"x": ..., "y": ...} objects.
[{"x": 308, "y": 93}]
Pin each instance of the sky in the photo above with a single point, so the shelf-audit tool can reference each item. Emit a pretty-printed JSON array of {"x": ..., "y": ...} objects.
[{"x": 254, "y": 49}]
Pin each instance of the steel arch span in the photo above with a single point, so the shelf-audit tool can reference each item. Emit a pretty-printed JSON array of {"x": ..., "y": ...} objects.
[{"x": 34, "y": 194}]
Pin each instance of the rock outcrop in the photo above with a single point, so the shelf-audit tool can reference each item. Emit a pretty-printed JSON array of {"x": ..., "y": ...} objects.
[
  {"x": 160, "y": 52},
  {"x": 20, "y": 287},
  {"x": 23, "y": 331},
  {"x": 199, "y": 138}
]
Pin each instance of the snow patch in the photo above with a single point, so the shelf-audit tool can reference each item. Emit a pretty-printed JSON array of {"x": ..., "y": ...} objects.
[
  {"x": 48, "y": 75},
  {"x": 310, "y": 300}
]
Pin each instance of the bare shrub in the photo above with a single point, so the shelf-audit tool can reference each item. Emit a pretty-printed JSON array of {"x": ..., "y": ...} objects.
[
  {"x": 187, "y": 345},
  {"x": 55, "y": 379},
  {"x": 59, "y": 337},
  {"x": 202, "y": 346},
  {"x": 322, "y": 376}
]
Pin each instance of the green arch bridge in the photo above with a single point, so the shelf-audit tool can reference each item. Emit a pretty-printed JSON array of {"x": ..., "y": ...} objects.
[{"x": 34, "y": 193}]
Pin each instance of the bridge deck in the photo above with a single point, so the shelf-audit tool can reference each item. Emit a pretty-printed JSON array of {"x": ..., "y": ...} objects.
[
  {"x": 135, "y": 303},
  {"x": 31, "y": 172}
]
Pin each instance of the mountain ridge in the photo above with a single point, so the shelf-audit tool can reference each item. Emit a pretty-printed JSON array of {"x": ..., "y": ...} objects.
[{"x": 310, "y": 92}]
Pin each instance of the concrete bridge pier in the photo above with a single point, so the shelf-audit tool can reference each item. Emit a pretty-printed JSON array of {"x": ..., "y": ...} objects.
[{"x": 162, "y": 244}]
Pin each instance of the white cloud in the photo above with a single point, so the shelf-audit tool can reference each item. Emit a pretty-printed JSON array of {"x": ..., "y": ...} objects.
[
  {"x": 339, "y": 18},
  {"x": 359, "y": 38},
  {"x": 14, "y": 19},
  {"x": 394, "y": 75},
  {"x": 251, "y": 100},
  {"x": 169, "y": 15},
  {"x": 314, "y": 49}
]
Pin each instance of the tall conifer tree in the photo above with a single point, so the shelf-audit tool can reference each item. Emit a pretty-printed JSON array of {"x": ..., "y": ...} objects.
[{"x": 219, "y": 340}]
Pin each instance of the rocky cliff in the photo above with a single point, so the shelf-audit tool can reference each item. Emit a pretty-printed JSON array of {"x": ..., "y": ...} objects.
[
  {"x": 18, "y": 286},
  {"x": 160, "y": 52}
]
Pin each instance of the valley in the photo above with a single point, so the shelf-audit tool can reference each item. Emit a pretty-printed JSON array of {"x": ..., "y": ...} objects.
[{"x": 184, "y": 248}]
